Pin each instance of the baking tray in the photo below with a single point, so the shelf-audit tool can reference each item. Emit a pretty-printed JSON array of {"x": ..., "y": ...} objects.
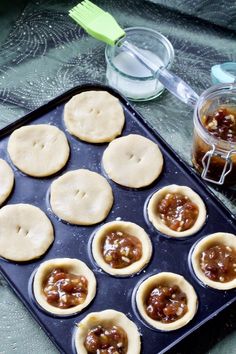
[{"x": 129, "y": 204}]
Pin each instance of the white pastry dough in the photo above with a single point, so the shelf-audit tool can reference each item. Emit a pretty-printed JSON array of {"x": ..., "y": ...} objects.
[
  {"x": 6, "y": 180},
  {"x": 133, "y": 161},
  {"x": 166, "y": 279},
  {"x": 156, "y": 220},
  {"x": 107, "y": 318},
  {"x": 131, "y": 229},
  {"x": 38, "y": 150},
  {"x": 94, "y": 116},
  {"x": 206, "y": 242},
  {"x": 81, "y": 197},
  {"x": 25, "y": 232},
  {"x": 70, "y": 265}
]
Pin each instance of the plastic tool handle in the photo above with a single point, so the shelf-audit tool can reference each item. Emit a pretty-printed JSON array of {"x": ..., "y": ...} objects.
[
  {"x": 170, "y": 81},
  {"x": 177, "y": 87},
  {"x": 137, "y": 53}
]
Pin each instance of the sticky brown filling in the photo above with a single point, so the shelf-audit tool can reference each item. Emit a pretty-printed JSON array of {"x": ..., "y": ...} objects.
[
  {"x": 218, "y": 263},
  {"x": 65, "y": 290},
  {"x": 166, "y": 304},
  {"x": 120, "y": 249},
  {"x": 106, "y": 340},
  {"x": 177, "y": 211},
  {"x": 221, "y": 124}
]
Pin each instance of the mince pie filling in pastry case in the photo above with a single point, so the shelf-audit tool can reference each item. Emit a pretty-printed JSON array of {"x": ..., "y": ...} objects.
[
  {"x": 166, "y": 301},
  {"x": 64, "y": 286},
  {"x": 176, "y": 211},
  {"x": 107, "y": 332},
  {"x": 121, "y": 248},
  {"x": 214, "y": 260}
]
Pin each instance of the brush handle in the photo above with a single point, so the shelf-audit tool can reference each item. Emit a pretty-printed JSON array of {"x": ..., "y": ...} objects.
[
  {"x": 177, "y": 87},
  {"x": 170, "y": 81}
]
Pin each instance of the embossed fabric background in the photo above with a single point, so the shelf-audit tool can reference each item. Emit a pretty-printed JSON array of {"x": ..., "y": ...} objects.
[
  {"x": 219, "y": 12},
  {"x": 44, "y": 53}
]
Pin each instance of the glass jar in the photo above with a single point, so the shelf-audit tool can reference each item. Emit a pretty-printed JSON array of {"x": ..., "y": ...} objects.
[
  {"x": 214, "y": 157},
  {"x": 125, "y": 73}
]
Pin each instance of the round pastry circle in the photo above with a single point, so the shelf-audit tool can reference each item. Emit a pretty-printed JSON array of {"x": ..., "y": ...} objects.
[
  {"x": 158, "y": 223},
  {"x": 71, "y": 265},
  {"x": 108, "y": 318},
  {"x": 81, "y": 197},
  {"x": 133, "y": 161},
  {"x": 94, "y": 116},
  {"x": 25, "y": 232},
  {"x": 224, "y": 238},
  {"x": 6, "y": 180},
  {"x": 132, "y": 229},
  {"x": 168, "y": 279},
  {"x": 38, "y": 150}
]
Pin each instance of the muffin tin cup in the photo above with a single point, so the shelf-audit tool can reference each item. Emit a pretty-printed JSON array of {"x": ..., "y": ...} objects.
[
  {"x": 139, "y": 316},
  {"x": 73, "y": 241},
  {"x": 194, "y": 274},
  {"x": 153, "y": 228}
]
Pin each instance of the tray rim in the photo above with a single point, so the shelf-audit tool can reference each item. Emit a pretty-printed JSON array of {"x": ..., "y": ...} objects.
[{"x": 51, "y": 104}]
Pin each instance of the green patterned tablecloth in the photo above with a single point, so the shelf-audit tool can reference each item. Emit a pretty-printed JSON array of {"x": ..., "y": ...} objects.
[{"x": 43, "y": 53}]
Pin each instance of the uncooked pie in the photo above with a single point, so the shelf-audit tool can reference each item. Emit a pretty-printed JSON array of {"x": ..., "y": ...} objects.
[
  {"x": 64, "y": 286},
  {"x": 94, "y": 116},
  {"x": 214, "y": 260},
  {"x": 107, "y": 332},
  {"x": 81, "y": 197},
  {"x": 38, "y": 150},
  {"x": 121, "y": 248},
  {"x": 25, "y": 232},
  {"x": 166, "y": 301},
  {"x": 176, "y": 211},
  {"x": 133, "y": 161},
  {"x": 6, "y": 180}
]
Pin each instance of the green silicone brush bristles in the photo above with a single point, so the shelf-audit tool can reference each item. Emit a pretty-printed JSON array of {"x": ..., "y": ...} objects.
[{"x": 98, "y": 23}]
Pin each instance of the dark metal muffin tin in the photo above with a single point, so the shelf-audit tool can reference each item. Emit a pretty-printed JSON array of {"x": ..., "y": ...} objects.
[{"x": 169, "y": 254}]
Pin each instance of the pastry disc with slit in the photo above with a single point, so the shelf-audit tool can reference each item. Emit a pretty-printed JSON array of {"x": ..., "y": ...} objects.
[
  {"x": 25, "y": 232},
  {"x": 6, "y": 180},
  {"x": 38, "y": 150},
  {"x": 94, "y": 116},
  {"x": 133, "y": 161},
  {"x": 81, "y": 197}
]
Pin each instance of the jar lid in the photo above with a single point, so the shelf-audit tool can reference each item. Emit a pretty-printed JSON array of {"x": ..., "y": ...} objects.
[{"x": 224, "y": 73}]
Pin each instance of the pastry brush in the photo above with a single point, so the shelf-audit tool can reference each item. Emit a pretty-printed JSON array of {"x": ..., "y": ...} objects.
[{"x": 102, "y": 26}]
